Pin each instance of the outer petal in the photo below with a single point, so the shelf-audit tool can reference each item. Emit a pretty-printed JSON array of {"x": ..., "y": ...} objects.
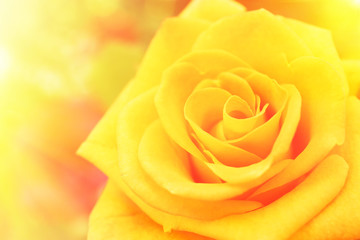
[
  {"x": 134, "y": 121},
  {"x": 211, "y": 10},
  {"x": 166, "y": 47},
  {"x": 268, "y": 51},
  {"x": 100, "y": 146},
  {"x": 352, "y": 70},
  {"x": 320, "y": 43},
  {"x": 286, "y": 215},
  {"x": 322, "y": 117},
  {"x": 341, "y": 219},
  {"x": 116, "y": 217}
]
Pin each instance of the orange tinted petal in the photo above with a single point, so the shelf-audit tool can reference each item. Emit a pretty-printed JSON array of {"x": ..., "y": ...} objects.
[
  {"x": 178, "y": 83},
  {"x": 204, "y": 107},
  {"x": 341, "y": 219},
  {"x": 286, "y": 215},
  {"x": 322, "y": 116},
  {"x": 134, "y": 120},
  {"x": 290, "y": 119},
  {"x": 235, "y": 126},
  {"x": 237, "y": 86},
  {"x": 248, "y": 176},
  {"x": 168, "y": 166},
  {"x": 265, "y": 134},
  {"x": 224, "y": 152}
]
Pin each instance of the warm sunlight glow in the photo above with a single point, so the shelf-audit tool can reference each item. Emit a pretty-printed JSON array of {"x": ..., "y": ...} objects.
[{"x": 5, "y": 61}]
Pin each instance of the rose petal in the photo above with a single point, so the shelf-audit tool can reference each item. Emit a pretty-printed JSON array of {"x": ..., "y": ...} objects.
[
  {"x": 204, "y": 107},
  {"x": 168, "y": 165},
  {"x": 133, "y": 122},
  {"x": 248, "y": 176},
  {"x": 322, "y": 117},
  {"x": 352, "y": 70},
  {"x": 249, "y": 37},
  {"x": 319, "y": 41},
  {"x": 100, "y": 146},
  {"x": 211, "y": 101},
  {"x": 235, "y": 127},
  {"x": 290, "y": 119},
  {"x": 237, "y": 86},
  {"x": 178, "y": 83},
  {"x": 117, "y": 217},
  {"x": 285, "y": 215},
  {"x": 266, "y": 133},
  {"x": 166, "y": 47},
  {"x": 341, "y": 219}
]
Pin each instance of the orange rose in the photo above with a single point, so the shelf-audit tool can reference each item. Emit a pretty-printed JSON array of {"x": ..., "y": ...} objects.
[{"x": 230, "y": 130}]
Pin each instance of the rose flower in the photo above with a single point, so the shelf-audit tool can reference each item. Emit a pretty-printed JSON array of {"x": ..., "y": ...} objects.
[{"x": 234, "y": 127}]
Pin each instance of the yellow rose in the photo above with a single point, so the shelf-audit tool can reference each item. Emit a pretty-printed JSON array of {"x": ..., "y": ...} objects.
[{"x": 233, "y": 128}]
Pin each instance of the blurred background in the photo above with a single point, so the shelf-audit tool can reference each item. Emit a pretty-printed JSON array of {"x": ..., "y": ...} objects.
[{"x": 62, "y": 63}]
